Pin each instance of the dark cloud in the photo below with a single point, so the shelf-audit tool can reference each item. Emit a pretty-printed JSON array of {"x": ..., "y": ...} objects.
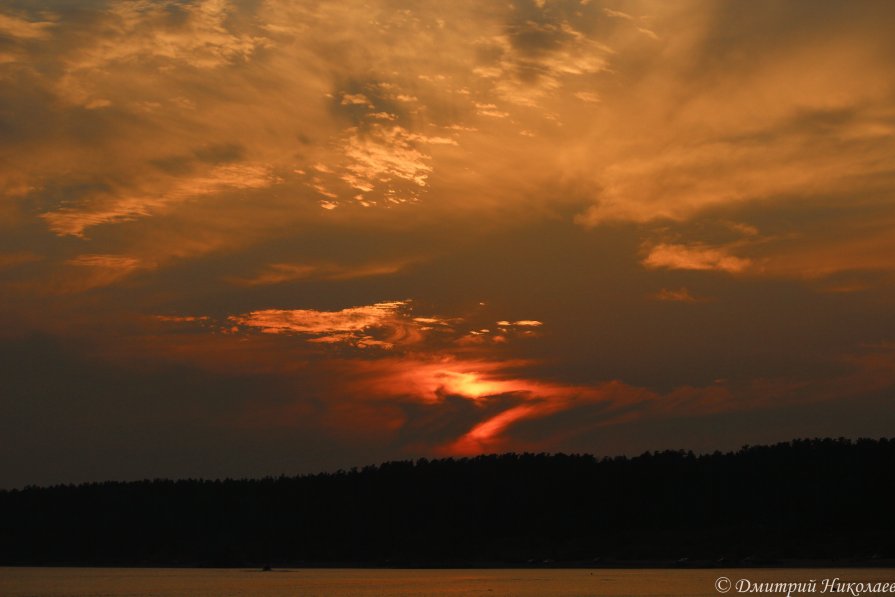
[{"x": 432, "y": 425}]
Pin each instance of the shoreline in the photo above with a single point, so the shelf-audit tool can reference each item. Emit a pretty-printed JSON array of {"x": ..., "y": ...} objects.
[{"x": 793, "y": 564}]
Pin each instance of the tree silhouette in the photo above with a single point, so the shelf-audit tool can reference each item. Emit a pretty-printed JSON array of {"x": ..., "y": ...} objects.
[{"x": 821, "y": 499}]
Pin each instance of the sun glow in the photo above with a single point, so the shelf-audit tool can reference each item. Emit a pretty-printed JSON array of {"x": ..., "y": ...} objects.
[
  {"x": 429, "y": 381},
  {"x": 474, "y": 385}
]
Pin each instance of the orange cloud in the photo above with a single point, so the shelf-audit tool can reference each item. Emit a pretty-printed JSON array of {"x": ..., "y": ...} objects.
[
  {"x": 386, "y": 325},
  {"x": 73, "y": 221},
  {"x": 138, "y": 31},
  {"x": 180, "y": 318},
  {"x": 277, "y": 273},
  {"x": 96, "y": 270},
  {"x": 310, "y": 321},
  {"x": 694, "y": 257},
  {"x": 485, "y": 403},
  {"x": 533, "y": 58},
  {"x": 20, "y": 28},
  {"x": 389, "y": 158},
  {"x": 869, "y": 248},
  {"x": 115, "y": 262},
  {"x": 681, "y": 295},
  {"x": 427, "y": 379},
  {"x": 486, "y": 384}
]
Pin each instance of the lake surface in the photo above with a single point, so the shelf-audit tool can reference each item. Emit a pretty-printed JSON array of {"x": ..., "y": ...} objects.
[{"x": 164, "y": 582}]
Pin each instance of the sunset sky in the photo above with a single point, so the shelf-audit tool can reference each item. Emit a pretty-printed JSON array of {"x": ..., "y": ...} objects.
[{"x": 252, "y": 237}]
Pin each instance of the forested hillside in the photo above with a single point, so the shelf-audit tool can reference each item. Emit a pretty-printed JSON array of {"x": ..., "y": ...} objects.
[{"x": 825, "y": 500}]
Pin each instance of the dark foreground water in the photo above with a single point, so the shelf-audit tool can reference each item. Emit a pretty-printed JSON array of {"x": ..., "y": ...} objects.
[{"x": 156, "y": 582}]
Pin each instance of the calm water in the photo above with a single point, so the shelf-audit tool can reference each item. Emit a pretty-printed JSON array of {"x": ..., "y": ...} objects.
[{"x": 155, "y": 582}]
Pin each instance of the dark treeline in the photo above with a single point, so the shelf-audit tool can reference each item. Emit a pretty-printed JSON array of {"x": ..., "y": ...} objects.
[{"x": 811, "y": 500}]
